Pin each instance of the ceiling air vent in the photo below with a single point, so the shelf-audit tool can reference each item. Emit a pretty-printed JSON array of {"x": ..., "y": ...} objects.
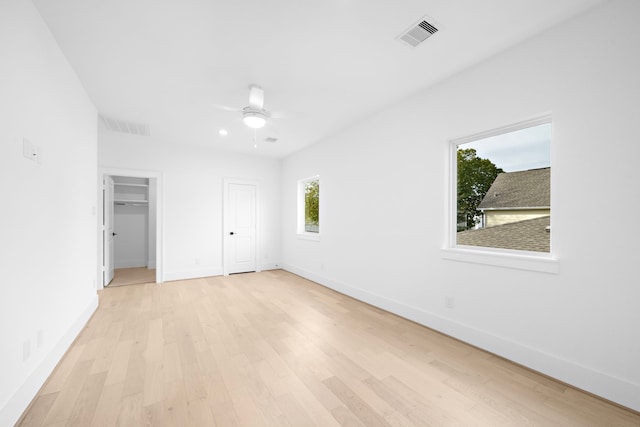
[
  {"x": 117, "y": 125},
  {"x": 271, "y": 139},
  {"x": 418, "y": 33}
]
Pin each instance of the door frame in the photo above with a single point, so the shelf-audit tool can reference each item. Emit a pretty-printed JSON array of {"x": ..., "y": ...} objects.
[
  {"x": 135, "y": 173},
  {"x": 226, "y": 246},
  {"x": 108, "y": 194}
]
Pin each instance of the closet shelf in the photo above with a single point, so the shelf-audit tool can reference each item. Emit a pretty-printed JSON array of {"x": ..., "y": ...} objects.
[
  {"x": 128, "y": 184},
  {"x": 131, "y": 202}
]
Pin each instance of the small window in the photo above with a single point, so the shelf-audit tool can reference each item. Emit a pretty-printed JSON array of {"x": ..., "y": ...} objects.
[
  {"x": 309, "y": 207},
  {"x": 503, "y": 189}
]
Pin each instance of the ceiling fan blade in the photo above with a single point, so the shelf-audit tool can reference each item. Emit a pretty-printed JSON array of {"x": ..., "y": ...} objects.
[
  {"x": 278, "y": 115},
  {"x": 226, "y": 108},
  {"x": 256, "y": 96}
]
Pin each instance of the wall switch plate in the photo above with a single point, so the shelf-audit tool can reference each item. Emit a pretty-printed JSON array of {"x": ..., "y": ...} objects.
[
  {"x": 27, "y": 148},
  {"x": 30, "y": 151}
]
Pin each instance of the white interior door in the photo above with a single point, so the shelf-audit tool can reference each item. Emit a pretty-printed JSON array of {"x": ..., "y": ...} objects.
[
  {"x": 241, "y": 229},
  {"x": 107, "y": 238}
]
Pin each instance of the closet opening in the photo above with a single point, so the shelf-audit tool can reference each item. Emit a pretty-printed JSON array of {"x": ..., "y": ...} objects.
[{"x": 129, "y": 230}]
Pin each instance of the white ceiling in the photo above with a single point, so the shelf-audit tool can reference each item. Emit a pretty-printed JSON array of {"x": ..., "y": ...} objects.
[{"x": 325, "y": 64}]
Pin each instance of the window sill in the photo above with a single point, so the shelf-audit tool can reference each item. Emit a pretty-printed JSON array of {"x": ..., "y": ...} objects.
[
  {"x": 543, "y": 263},
  {"x": 309, "y": 236}
]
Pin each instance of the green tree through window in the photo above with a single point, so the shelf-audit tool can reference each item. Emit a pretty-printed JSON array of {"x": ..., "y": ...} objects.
[
  {"x": 312, "y": 206},
  {"x": 475, "y": 176}
]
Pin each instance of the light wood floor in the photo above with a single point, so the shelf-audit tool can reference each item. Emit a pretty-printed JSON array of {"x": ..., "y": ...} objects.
[
  {"x": 273, "y": 349},
  {"x": 133, "y": 276}
]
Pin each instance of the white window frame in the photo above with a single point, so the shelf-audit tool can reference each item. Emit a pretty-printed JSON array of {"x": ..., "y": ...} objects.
[
  {"x": 301, "y": 232},
  {"x": 523, "y": 260}
]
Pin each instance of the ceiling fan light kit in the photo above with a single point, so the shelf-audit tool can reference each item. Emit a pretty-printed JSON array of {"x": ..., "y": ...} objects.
[{"x": 254, "y": 119}]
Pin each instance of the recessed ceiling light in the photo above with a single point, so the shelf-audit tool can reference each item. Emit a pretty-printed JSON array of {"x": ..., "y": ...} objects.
[{"x": 223, "y": 132}]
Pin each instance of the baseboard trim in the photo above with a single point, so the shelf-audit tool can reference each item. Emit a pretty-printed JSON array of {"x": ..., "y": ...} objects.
[
  {"x": 131, "y": 263},
  {"x": 12, "y": 411},
  {"x": 170, "y": 276},
  {"x": 270, "y": 266},
  {"x": 616, "y": 390}
]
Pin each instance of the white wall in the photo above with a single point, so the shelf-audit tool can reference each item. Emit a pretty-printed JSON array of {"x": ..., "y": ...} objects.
[
  {"x": 48, "y": 243},
  {"x": 192, "y": 199},
  {"x": 384, "y": 194}
]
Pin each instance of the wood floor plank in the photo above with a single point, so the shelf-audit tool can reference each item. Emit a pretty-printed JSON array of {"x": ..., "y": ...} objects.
[
  {"x": 119, "y": 363},
  {"x": 131, "y": 412},
  {"x": 273, "y": 349},
  {"x": 85, "y": 407},
  {"x": 39, "y": 410},
  {"x": 356, "y": 405},
  {"x": 293, "y": 411},
  {"x": 153, "y": 383},
  {"x": 153, "y": 415},
  {"x": 175, "y": 404},
  {"x": 108, "y": 407},
  {"x": 63, "y": 406},
  {"x": 58, "y": 378}
]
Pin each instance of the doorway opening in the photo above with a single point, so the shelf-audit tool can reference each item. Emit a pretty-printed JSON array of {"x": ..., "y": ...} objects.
[{"x": 129, "y": 229}]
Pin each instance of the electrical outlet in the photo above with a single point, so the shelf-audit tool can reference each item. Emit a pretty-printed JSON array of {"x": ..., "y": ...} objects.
[
  {"x": 449, "y": 302},
  {"x": 40, "y": 336},
  {"x": 197, "y": 260}
]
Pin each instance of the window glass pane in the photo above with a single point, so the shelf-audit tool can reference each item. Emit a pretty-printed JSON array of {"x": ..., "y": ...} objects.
[
  {"x": 312, "y": 206},
  {"x": 503, "y": 190}
]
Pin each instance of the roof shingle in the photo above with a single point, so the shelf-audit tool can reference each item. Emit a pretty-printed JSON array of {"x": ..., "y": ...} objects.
[
  {"x": 523, "y": 189},
  {"x": 527, "y": 235}
]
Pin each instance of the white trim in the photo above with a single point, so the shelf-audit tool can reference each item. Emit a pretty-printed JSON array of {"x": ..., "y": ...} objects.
[
  {"x": 610, "y": 387},
  {"x": 308, "y": 236},
  {"x": 270, "y": 266},
  {"x": 526, "y": 208},
  {"x": 131, "y": 263},
  {"x": 523, "y": 260},
  {"x": 225, "y": 221},
  {"x": 526, "y": 123},
  {"x": 107, "y": 171},
  {"x": 13, "y": 409},
  {"x": 533, "y": 261},
  {"x": 191, "y": 274}
]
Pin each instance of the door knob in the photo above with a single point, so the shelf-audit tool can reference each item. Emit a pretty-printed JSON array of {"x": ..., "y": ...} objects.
[
  {"x": 231, "y": 233},
  {"x": 114, "y": 234}
]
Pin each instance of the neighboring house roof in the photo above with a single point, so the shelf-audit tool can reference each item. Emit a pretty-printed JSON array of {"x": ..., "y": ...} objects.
[
  {"x": 516, "y": 190},
  {"x": 527, "y": 235}
]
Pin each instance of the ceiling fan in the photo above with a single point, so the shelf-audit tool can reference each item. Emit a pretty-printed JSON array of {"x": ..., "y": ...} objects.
[{"x": 254, "y": 115}]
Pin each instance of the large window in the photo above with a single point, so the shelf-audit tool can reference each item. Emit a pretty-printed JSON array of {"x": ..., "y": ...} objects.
[
  {"x": 503, "y": 189},
  {"x": 309, "y": 207}
]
